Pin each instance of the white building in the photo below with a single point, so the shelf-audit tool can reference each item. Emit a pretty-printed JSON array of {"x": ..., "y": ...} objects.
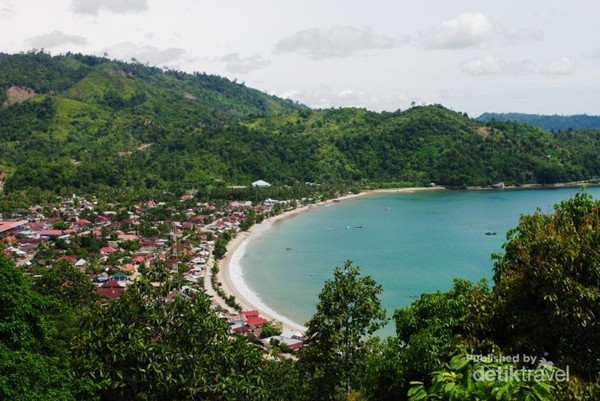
[{"x": 261, "y": 184}]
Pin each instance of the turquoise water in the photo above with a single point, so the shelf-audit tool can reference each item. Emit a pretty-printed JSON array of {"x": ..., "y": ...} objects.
[{"x": 409, "y": 243}]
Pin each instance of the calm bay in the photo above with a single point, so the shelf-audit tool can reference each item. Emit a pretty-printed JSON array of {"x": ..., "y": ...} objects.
[{"x": 410, "y": 243}]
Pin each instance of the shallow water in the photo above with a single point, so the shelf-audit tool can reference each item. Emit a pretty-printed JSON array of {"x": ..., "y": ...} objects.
[{"x": 409, "y": 243}]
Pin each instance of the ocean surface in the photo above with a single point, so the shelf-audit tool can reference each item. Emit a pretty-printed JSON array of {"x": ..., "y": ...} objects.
[{"x": 409, "y": 243}]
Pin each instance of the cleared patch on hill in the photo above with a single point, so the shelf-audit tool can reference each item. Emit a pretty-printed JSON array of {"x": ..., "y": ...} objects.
[{"x": 18, "y": 94}]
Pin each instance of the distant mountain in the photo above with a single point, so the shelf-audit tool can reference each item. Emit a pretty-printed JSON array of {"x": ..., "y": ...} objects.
[
  {"x": 551, "y": 123},
  {"x": 83, "y": 123}
]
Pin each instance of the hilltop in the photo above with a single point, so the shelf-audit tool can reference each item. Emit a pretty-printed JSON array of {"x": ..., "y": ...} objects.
[
  {"x": 91, "y": 124},
  {"x": 551, "y": 123}
]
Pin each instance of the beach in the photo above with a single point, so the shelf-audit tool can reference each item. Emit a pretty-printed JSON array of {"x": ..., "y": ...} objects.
[{"x": 230, "y": 267}]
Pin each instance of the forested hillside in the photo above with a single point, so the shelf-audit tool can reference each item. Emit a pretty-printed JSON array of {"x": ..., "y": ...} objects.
[
  {"x": 83, "y": 123},
  {"x": 551, "y": 123}
]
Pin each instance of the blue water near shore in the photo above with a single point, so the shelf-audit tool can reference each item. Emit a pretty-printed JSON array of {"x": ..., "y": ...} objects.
[{"x": 409, "y": 243}]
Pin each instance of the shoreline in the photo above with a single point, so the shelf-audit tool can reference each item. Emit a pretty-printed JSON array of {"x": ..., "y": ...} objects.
[{"x": 230, "y": 268}]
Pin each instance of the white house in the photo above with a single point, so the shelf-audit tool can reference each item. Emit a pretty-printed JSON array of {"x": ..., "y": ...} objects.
[{"x": 261, "y": 184}]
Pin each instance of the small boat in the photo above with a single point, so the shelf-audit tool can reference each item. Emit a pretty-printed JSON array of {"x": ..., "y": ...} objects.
[
  {"x": 288, "y": 249},
  {"x": 347, "y": 227},
  {"x": 490, "y": 233},
  {"x": 359, "y": 227}
]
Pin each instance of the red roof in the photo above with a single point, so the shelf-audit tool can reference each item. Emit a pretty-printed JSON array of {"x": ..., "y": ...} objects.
[
  {"x": 127, "y": 268},
  {"x": 138, "y": 259},
  {"x": 108, "y": 249},
  {"x": 111, "y": 284},
  {"x": 52, "y": 233},
  {"x": 250, "y": 313},
  {"x": 83, "y": 222},
  {"x": 241, "y": 329},
  {"x": 108, "y": 294},
  {"x": 11, "y": 225},
  {"x": 68, "y": 258},
  {"x": 255, "y": 321}
]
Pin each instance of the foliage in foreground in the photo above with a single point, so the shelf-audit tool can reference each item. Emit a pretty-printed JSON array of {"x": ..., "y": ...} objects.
[
  {"x": 465, "y": 380},
  {"x": 546, "y": 300},
  {"x": 334, "y": 353}
]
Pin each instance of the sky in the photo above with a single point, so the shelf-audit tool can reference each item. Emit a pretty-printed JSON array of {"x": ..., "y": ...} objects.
[{"x": 471, "y": 56}]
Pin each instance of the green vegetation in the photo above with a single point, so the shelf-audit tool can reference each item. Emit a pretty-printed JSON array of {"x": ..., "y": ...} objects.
[
  {"x": 333, "y": 355},
  {"x": 457, "y": 383},
  {"x": 166, "y": 342},
  {"x": 127, "y": 130},
  {"x": 550, "y": 123}
]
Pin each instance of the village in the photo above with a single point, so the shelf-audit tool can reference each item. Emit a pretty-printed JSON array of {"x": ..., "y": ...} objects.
[{"x": 116, "y": 245}]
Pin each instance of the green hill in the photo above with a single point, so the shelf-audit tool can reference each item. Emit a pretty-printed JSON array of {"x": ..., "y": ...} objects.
[
  {"x": 551, "y": 123},
  {"x": 85, "y": 123}
]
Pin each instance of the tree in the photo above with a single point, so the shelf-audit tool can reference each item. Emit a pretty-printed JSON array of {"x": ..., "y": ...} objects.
[
  {"x": 28, "y": 369},
  {"x": 166, "y": 344},
  {"x": 465, "y": 379},
  {"x": 429, "y": 328},
  {"x": 546, "y": 300},
  {"x": 68, "y": 284},
  {"x": 348, "y": 311}
]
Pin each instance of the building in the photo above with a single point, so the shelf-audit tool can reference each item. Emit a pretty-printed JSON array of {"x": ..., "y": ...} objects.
[
  {"x": 260, "y": 184},
  {"x": 9, "y": 227}
]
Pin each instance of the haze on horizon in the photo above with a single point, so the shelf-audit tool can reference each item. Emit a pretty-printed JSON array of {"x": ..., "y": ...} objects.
[{"x": 472, "y": 56}]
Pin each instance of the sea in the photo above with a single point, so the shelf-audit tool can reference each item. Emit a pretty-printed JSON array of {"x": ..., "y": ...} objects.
[{"x": 410, "y": 243}]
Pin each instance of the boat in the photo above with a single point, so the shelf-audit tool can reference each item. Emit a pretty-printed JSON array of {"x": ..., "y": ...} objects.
[
  {"x": 490, "y": 233},
  {"x": 359, "y": 227}
]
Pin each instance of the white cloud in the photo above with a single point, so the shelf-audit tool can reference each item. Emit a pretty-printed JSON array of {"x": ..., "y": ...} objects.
[
  {"x": 235, "y": 63},
  {"x": 324, "y": 96},
  {"x": 144, "y": 54},
  {"x": 6, "y": 10},
  {"x": 594, "y": 54},
  {"x": 564, "y": 66},
  {"x": 55, "y": 39},
  {"x": 93, "y": 7},
  {"x": 497, "y": 66},
  {"x": 339, "y": 41},
  {"x": 469, "y": 30}
]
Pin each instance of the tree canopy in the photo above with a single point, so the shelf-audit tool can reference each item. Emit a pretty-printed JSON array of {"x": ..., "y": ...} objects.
[{"x": 348, "y": 310}]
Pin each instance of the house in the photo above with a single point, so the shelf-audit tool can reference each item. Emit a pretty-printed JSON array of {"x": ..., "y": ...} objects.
[
  {"x": 67, "y": 258},
  {"x": 81, "y": 263},
  {"x": 107, "y": 250},
  {"x": 250, "y": 313},
  {"x": 138, "y": 259},
  {"x": 127, "y": 237},
  {"x": 7, "y": 227},
  {"x": 15, "y": 251},
  {"x": 120, "y": 278},
  {"x": 48, "y": 234},
  {"x": 127, "y": 268},
  {"x": 255, "y": 321},
  {"x": 109, "y": 291},
  {"x": 83, "y": 223},
  {"x": 292, "y": 343},
  {"x": 260, "y": 184}
]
